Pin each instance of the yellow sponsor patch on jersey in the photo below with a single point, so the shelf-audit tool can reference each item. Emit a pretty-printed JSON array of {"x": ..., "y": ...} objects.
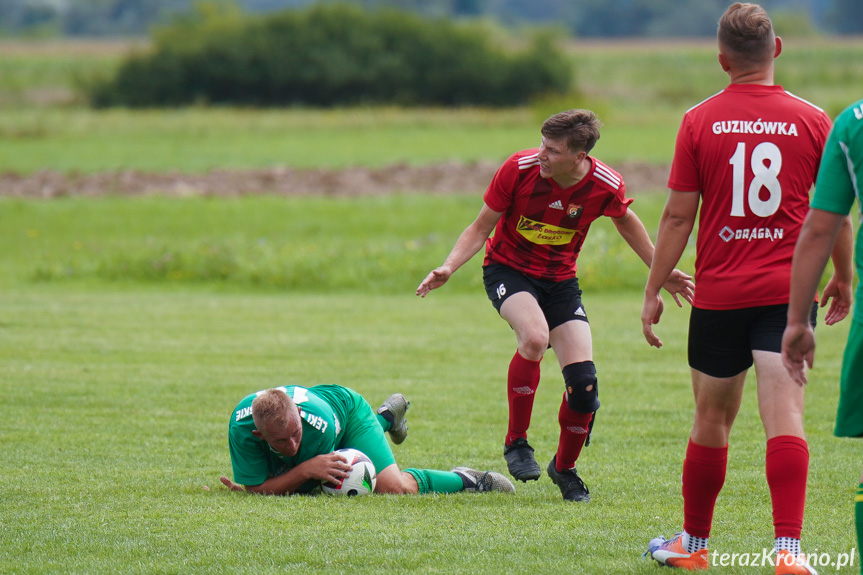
[{"x": 546, "y": 234}]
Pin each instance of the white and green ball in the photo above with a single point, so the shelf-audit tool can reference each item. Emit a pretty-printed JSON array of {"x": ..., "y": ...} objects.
[{"x": 362, "y": 478}]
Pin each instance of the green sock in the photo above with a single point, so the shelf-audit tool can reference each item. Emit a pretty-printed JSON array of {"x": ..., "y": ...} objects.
[
  {"x": 384, "y": 422},
  {"x": 858, "y": 512},
  {"x": 431, "y": 480}
]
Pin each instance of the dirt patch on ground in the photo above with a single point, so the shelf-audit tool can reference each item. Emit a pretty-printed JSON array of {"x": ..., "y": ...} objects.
[{"x": 449, "y": 178}]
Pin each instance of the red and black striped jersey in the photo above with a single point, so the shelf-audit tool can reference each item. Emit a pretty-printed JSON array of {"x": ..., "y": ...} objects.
[{"x": 543, "y": 226}]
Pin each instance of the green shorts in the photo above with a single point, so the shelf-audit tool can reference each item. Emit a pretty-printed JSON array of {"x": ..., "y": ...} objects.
[
  {"x": 849, "y": 417},
  {"x": 363, "y": 432}
]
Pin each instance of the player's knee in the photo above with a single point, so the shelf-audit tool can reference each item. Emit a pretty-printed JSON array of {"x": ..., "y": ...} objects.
[
  {"x": 533, "y": 344},
  {"x": 409, "y": 484},
  {"x": 582, "y": 393},
  {"x": 394, "y": 481}
]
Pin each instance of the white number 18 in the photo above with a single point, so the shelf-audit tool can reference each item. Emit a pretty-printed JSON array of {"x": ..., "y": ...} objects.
[{"x": 765, "y": 175}]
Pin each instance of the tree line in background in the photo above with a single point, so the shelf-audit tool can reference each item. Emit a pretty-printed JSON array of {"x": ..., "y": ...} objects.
[
  {"x": 581, "y": 18},
  {"x": 331, "y": 55}
]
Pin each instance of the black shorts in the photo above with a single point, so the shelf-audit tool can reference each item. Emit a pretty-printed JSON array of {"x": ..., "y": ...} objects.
[
  {"x": 560, "y": 302},
  {"x": 721, "y": 342}
]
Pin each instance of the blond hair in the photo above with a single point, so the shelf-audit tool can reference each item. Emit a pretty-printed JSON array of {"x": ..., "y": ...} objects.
[{"x": 272, "y": 407}]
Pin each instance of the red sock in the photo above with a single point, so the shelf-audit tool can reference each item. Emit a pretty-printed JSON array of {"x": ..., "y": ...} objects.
[
  {"x": 787, "y": 465},
  {"x": 573, "y": 432},
  {"x": 703, "y": 478},
  {"x": 521, "y": 384}
]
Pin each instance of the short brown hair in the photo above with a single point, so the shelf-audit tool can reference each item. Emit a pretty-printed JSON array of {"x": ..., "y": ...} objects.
[
  {"x": 746, "y": 34},
  {"x": 272, "y": 407},
  {"x": 580, "y": 129}
]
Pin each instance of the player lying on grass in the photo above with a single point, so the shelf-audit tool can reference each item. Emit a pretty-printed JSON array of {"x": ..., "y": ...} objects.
[{"x": 282, "y": 440}]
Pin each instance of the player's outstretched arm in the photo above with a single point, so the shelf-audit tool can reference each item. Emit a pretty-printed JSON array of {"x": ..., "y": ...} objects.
[
  {"x": 468, "y": 244},
  {"x": 679, "y": 285},
  {"x": 329, "y": 467},
  {"x": 678, "y": 219},
  {"x": 634, "y": 233},
  {"x": 230, "y": 484},
  {"x": 436, "y": 278},
  {"x": 632, "y": 230}
]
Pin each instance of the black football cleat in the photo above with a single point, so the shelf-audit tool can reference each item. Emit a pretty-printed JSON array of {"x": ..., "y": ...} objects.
[
  {"x": 571, "y": 486},
  {"x": 520, "y": 461}
]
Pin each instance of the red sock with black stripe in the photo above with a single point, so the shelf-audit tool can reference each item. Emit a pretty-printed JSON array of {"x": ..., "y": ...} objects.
[
  {"x": 703, "y": 477},
  {"x": 787, "y": 467},
  {"x": 521, "y": 383}
]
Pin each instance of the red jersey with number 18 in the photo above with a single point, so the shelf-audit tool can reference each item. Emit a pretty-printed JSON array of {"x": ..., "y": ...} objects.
[
  {"x": 753, "y": 153},
  {"x": 543, "y": 226}
]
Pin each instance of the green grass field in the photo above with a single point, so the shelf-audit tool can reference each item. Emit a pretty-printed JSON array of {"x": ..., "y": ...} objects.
[
  {"x": 131, "y": 327},
  {"x": 117, "y": 411},
  {"x": 119, "y": 389}
]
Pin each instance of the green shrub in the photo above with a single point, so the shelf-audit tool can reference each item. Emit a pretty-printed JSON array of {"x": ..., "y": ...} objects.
[{"x": 330, "y": 55}]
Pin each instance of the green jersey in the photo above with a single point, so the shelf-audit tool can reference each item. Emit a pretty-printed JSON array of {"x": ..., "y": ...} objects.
[
  {"x": 324, "y": 411},
  {"x": 840, "y": 177}
]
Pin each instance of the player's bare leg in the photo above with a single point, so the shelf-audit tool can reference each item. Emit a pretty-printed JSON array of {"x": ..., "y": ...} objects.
[
  {"x": 717, "y": 401},
  {"x": 572, "y": 342},
  {"x": 780, "y": 403},
  {"x": 780, "y": 399},
  {"x": 412, "y": 481},
  {"x": 524, "y": 315},
  {"x": 392, "y": 480}
]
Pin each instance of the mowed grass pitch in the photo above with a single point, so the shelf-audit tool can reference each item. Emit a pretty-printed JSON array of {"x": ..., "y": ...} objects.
[
  {"x": 117, "y": 414},
  {"x": 118, "y": 395},
  {"x": 118, "y": 384}
]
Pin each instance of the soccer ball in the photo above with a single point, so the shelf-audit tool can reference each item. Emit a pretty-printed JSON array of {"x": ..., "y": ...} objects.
[{"x": 362, "y": 478}]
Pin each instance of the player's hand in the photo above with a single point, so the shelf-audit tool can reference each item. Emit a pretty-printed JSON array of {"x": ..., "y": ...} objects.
[
  {"x": 841, "y": 294},
  {"x": 329, "y": 468},
  {"x": 435, "y": 279},
  {"x": 680, "y": 284},
  {"x": 230, "y": 484},
  {"x": 650, "y": 313},
  {"x": 798, "y": 350}
]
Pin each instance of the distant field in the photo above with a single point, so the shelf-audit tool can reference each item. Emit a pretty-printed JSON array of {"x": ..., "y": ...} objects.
[
  {"x": 200, "y": 139},
  {"x": 639, "y": 89},
  {"x": 312, "y": 245},
  {"x": 640, "y": 77}
]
